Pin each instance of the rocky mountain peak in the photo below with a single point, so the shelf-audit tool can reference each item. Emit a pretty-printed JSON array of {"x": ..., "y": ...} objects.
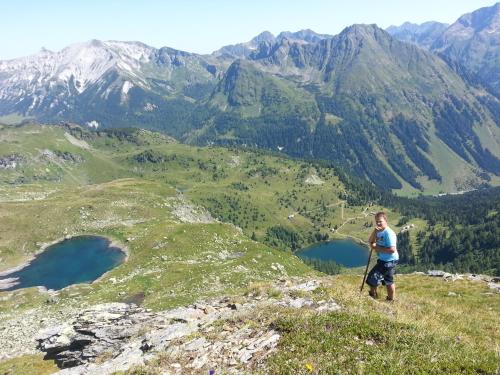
[
  {"x": 306, "y": 35},
  {"x": 45, "y": 50},
  {"x": 81, "y": 63},
  {"x": 364, "y": 31},
  {"x": 471, "y": 45},
  {"x": 265, "y": 41},
  {"x": 483, "y": 18},
  {"x": 484, "y": 22},
  {"x": 265, "y": 36},
  {"x": 421, "y": 34}
]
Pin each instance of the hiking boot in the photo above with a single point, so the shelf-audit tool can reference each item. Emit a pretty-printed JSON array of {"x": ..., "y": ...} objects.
[
  {"x": 374, "y": 295},
  {"x": 389, "y": 299}
]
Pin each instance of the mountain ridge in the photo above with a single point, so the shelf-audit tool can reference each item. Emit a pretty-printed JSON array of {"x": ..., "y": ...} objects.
[
  {"x": 473, "y": 42},
  {"x": 391, "y": 89},
  {"x": 423, "y": 34},
  {"x": 469, "y": 45},
  {"x": 388, "y": 110}
]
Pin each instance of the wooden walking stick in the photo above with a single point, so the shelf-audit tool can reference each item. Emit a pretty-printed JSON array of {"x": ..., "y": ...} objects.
[{"x": 371, "y": 240}]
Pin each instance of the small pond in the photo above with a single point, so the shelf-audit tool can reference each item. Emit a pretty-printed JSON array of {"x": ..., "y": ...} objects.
[
  {"x": 76, "y": 260},
  {"x": 344, "y": 252}
]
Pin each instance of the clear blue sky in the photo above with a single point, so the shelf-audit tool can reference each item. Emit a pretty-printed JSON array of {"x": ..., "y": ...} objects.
[{"x": 196, "y": 25}]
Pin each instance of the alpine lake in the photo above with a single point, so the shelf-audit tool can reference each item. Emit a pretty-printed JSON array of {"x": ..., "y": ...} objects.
[
  {"x": 80, "y": 259},
  {"x": 347, "y": 253}
]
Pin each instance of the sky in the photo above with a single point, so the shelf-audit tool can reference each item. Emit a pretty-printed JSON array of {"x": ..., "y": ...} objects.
[{"x": 199, "y": 26}]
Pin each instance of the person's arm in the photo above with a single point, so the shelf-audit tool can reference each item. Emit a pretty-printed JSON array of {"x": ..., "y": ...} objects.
[
  {"x": 387, "y": 250},
  {"x": 373, "y": 237}
]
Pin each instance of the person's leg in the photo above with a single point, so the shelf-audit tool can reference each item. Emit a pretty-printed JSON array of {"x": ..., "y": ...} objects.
[
  {"x": 391, "y": 292},
  {"x": 390, "y": 270},
  {"x": 373, "y": 280}
]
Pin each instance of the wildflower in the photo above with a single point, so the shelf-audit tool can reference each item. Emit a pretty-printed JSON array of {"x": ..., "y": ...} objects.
[{"x": 309, "y": 367}]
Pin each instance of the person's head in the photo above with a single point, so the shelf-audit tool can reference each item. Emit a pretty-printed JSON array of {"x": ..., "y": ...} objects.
[{"x": 381, "y": 220}]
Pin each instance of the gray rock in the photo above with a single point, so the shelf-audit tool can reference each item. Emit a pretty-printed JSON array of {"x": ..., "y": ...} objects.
[
  {"x": 102, "y": 329},
  {"x": 10, "y": 161},
  {"x": 160, "y": 338},
  {"x": 184, "y": 314},
  {"x": 436, "y": 273},
  {"x": 308, "y": 286},
  {"x": 245, "y": 356},
  {"x": 329, "y": 306},
  {"x": 199, "y": 362},
  {"x": 494, "y": 286},
  {"x": 56, "y": 339},
  {"x": 300, "y": 302},
  {"x": 130, "y": 356},
  {"x": 196, "y": 344}
]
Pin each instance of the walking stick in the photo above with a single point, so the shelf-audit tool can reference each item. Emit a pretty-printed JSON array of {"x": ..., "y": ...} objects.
[
  {"x": 371, "y": 240},
  {"x": 366, "y": 270}
]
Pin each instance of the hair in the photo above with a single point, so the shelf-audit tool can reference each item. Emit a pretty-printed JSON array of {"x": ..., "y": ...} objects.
[{"x": 381, "y": 214}]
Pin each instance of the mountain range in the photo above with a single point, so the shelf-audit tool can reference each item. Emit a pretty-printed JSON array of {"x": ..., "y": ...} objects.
[
  {"x": 414, "y": 107},
  {"x": 470, "y": 44}
]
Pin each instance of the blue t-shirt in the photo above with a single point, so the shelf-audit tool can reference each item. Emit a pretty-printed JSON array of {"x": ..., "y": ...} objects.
[{"x": 387, "y": 238}]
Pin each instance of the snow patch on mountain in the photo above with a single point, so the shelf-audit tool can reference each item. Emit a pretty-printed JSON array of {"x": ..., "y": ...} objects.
[
  {"x": 76, "y": 67},
  {"x": 127, "y": 85},
  {"x": 93, "y": 124},
  {"x": 52, "y": 83},
  {"x": 150, "y": 107}
]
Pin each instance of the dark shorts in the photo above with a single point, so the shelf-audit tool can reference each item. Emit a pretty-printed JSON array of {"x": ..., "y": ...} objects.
[{"x": 382, "y": 273}]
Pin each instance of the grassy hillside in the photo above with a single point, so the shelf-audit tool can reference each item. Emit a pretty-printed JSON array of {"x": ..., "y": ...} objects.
[
  {"x": 252, "y": 189},
  {"x": 275, "y": 200},
  {"x": 254, "y": 93},
  {"x": 158, "y": 198},
  {"x": 423, "y": 332}
]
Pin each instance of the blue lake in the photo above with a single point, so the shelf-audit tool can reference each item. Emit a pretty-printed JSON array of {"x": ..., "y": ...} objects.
[
  {"x": 344, "y": 252},
  {"x": 79, "y": 259}
]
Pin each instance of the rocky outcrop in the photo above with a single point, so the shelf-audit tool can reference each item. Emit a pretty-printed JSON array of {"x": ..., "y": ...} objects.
[
  {"x": 18, "y": 328},
  {"x": 116, "y": 336},
  {"x": 10, "y": 161},
  {"x": 188, "y": 213},
  {"x": 492, "y": 282}
]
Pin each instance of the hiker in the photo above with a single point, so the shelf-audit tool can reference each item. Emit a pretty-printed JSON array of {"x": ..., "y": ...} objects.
[{"x": 383, "y": 242}]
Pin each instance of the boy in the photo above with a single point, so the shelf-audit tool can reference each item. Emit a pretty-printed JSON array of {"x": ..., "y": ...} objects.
[{"x": 383, "y": 241}]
